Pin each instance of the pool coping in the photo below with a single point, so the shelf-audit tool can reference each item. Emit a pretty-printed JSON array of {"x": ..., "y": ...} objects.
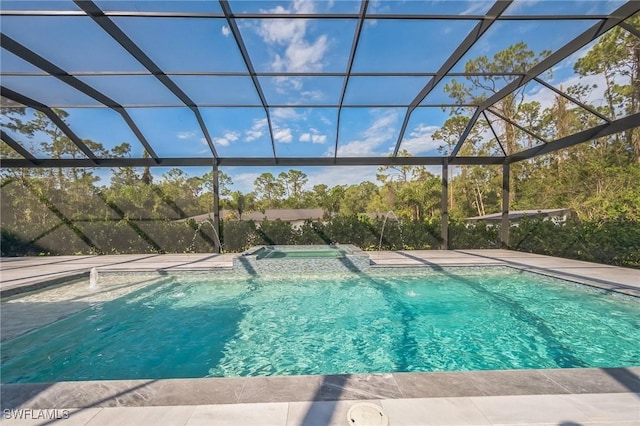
[{"x": 267, "y": 389}]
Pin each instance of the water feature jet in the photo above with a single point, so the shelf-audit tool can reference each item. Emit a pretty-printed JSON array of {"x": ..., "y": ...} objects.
[
  {"x": 93, "y": 279},
  {"x": 192, "y": 246}
]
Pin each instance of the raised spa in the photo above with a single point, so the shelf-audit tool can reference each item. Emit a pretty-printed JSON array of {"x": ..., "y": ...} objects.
[{"x": 309, "y": 258}]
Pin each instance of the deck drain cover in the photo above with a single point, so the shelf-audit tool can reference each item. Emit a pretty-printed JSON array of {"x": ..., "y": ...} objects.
[{"x": 366, "y": 414}]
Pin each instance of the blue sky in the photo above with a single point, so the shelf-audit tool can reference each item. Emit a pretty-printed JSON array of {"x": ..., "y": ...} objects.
[{"x": 77, "y": 44}]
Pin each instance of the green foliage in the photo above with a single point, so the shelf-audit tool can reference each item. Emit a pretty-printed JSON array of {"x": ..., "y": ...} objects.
[
  {"x": 615, "y": 242},
  {"x": 313, "y": 233},
  {"x": 275, "y": 232},
  {"x": 238, "y": 236},
  {"x": 356, "y": 198},
  {"x": 476, "y": 235},
  {"x": 352, "y": 230},
  {"x": 269, "y": 191}
]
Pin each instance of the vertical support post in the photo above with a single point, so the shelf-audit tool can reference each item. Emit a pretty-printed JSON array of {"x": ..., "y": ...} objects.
[
  {"x": 504, "y": 228},
  {"x": 216, "y": 208},
  {"x": 444, "y": 225}
]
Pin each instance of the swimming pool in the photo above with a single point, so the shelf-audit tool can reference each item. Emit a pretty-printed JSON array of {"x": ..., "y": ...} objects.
[{"x": 382, "y": 320}]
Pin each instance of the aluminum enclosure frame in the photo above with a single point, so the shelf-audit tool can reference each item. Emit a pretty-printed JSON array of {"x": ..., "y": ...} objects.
[{"x": 495, "y": 13}]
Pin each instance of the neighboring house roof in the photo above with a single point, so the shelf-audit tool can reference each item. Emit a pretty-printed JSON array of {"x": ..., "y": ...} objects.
[
  {"x": 286, "y": 215},
  {"x": 519, "y": 214}
]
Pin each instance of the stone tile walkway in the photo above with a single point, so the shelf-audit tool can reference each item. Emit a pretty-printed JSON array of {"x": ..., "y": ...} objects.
[{"x": 619, "y": 409}]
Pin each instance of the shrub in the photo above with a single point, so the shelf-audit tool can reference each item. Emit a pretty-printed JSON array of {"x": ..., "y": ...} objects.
[
  {"x": 614, "y": 242},
  {"x": 275, "y": 232}
]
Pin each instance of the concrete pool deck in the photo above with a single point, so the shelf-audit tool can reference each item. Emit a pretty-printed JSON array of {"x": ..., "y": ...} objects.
[{"x": 567, "y": 397}]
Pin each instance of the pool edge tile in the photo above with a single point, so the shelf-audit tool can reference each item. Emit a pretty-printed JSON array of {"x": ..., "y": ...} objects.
[
  {"x": 596, "y": 380},
  {"x": 514, "y": 382},
  {"x": 436, "y": 385}
]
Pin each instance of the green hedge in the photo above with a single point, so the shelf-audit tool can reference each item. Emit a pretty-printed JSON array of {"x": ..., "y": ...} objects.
[{"x": 614, "y": 242}]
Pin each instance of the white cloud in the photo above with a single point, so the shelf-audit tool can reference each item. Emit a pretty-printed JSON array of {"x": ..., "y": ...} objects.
[
  {"x": 186, "y": 135},
  {"x": 232, "y": 136},
  {"x": 226, "y": 31},
  {"x": 300, "y": 54},
  {"x": 419, "y": 140},
  {"x": 318, "y": 139},
  {"x": 305, "y": 137},
  {"x": 282, "y": 31},
  {"x": 515, "y": 8},
  {"x": 325, "y": 120},
  {"x": 226, "y": 139},
  {"x": 284, "y": 85},
  {"x": 332, "y": 176},
  {"x": 378, "y": 6},
  {"x": 308, "y": 137},
  {"x": 221, "y": 141},
  {"x": 313, "y": 95},
  {"x": 286, "y": 114},
  {"x": 252, "y": 135},
  {"x": 282, "y": 135},
  {"x": 313, "y": 137},
  {"x": 244, "y": 181},
  {"x": 292, "y": 88},
  {"x": 256, "y": 131},
  {"x": 382, "y": 130}
]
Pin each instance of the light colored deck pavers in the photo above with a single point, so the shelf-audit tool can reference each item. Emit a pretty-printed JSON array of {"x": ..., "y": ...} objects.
[{"x": 619, "y": 409}]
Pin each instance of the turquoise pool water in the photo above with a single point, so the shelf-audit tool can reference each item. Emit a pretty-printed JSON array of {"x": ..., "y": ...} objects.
[
  {"x": 451, "y": 319},
  {"x": 279, "y": 253}
]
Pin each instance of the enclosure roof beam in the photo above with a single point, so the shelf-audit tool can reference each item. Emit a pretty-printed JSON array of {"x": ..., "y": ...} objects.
[
  {"x": 573, "y": 100},
  {"x": 98, "y": 16},
  {"x": 595, "y": 31},
  {"x": 516, "y": 125},
  {"x": 481, "y": 27},
  {"x": 291, "y": 106},
  {"x": 352, "y": 56},
  {"x": 31, "y": 103},
  {"x": 261, "y": 74},
  {"x": 493, "y": 131},
  {"x": 254, "y": 162},
  {"x": 16, "y": 146},
  {"x": 617, "y": 126},
  {"x": 57, "y": 72},
  {"x": 253, "y": 15},
  {"x": 233, "y": 26},
  {"x": 630, "y": 28}
]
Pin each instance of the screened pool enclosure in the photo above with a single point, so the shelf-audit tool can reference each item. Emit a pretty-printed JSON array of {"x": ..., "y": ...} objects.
[{"x": 262, "y": 84}]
